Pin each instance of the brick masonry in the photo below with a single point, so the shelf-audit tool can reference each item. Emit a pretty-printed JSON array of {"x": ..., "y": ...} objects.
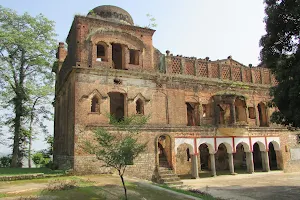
[{"x": 164, "y": 83}]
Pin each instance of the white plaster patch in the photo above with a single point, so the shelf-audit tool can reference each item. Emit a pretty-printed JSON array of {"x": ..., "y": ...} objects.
[
  {"x": 295, "y": 154},
  {"x": 275, "y": 141},
  {"x": 210, "y": 142},
  {"x": 261, "y": 142},
  {"x": 244, "y": 141},
  {"x": 227, "y": 142},
  {"x": 179, "y": 141}
]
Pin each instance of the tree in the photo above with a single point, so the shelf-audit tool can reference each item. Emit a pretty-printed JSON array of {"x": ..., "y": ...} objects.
[
  {"x": 152, "y": 21},
  {"x": 39, "y": 159},
  {"x": 281, "y": 53},
  {"x": 27, "y": 48},
  {"x": 118, "y": 147}
]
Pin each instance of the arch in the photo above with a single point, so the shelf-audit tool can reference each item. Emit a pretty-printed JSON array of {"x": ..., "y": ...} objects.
[
  {"x": 227, "y": 142},
  {"x": 101, "y": 51},
  {"x": 221, "y": 157},
  {"x": 189, "y": 141},
  {"x": 204, "y": 156},
  {"x": 244, "y": 141},
  {"x": 164, "y": 150},
  {"x": 246, "y": 146},
  {"x": 262, "y": 113},
  {"x": 94, "y": 93},
  {"x": 239, "y": 157},
  {"x": 95, "y": 105},
  {"x": 272, "y": 157},
  {"x": 209, "y": 142},
  {"x": 260, "y": 141},
  {"x": 132, "y": 41},
  {"x": 275, "y": 141},
  {"x": 257, "y": 157},
  {"x": 139, "y": 107}
]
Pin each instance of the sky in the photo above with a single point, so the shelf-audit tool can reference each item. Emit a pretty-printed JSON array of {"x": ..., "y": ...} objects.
[{"x": 194, "y": 28}]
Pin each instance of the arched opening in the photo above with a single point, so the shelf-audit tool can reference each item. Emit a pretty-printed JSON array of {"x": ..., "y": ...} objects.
[
  {"x": 101, "y": 53},
  {"x": 257, "y": 158},
  {"x": 183, "y": 159},
  {"x": 239, "y": 158},
  {"x": 95, "y": 107},
  {"x": 240, "y": 110},
  {"x": 192, "y": 114},
  {"x": 262, "y": 111},
  {"x": 118, "y": 56},
  {"x": 272, "y": 157},
  {"x": 117, "y": 105},
  {"x": 204, "y": 157},
  {"x": 221, "y": 157},
  {"x": 139, "y": 107},
  {"x": 165, "y": 151}
]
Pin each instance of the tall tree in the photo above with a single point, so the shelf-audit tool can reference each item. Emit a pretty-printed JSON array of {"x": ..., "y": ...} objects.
[
  {"x": 27, "y": 48},
  {"x": 117, "y": 148},
  {"x": 281, "y": 53}
]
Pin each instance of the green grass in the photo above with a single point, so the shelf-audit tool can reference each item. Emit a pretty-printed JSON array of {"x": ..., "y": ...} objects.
[
  {"x": 2, "y": 195},
  {"x": 202, "y": 196},
  {"x": 21, "y": 171}
]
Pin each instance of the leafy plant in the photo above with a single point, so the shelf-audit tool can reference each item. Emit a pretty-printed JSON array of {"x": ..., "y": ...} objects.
[{"x": 119, "y": 147}]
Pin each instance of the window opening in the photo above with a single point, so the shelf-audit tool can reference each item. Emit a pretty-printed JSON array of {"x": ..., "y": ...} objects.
[
  {"x": 95, "y": 105},
  {"x": 134, "y": 57},
  {"x": 139, "y": 107}
]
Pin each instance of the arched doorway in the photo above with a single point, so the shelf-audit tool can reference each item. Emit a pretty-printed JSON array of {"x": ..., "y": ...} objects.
[
  {"x": 257, "y": 159},
  {"x": 184, "y": 159},
  {"x": 164, "y": 151},
  {"x": 272, "y": 157},
  {"x": 204, "y": 157},
  {"x": 221, "y": 157},
  {"x": 262, "y": 112},
  {"x": 117, "y": 105},
  {"x": 239, "y": 158}
]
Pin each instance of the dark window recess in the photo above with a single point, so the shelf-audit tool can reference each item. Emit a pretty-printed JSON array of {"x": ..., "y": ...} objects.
[
  {"x": 139, "y": 107},
  {"x": 251, "y": 111},
  {"x": 100, "y": 52},
  {"x": 188, "y": 154},
  {"x": 134, "y": 57},
  {"x": 298, "y": 138},
  {"x": 95, "y": 105}
]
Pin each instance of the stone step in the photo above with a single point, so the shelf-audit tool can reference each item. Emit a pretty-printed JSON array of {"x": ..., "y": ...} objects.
[
  {"x": 171, "y": 179},
  {"x": 174, "y": 183},
  {"x": 168, "y": 175}
]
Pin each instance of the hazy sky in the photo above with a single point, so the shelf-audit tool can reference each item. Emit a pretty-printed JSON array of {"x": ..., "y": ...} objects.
[{"x": 198, "y": 28}]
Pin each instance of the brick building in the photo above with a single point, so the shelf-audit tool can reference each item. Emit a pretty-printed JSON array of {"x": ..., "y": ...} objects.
[{"x": 205, "y": 115}]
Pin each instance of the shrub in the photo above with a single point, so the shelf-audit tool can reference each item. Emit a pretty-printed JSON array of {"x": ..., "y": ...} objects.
[
  {"x": 5, "y": 161},
  {"x": 62, "y": 185}
]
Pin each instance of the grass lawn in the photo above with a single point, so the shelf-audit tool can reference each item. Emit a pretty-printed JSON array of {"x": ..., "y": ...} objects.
[
  {"x": 19, "y": 171},
  {"x": 87, "y": 187}
]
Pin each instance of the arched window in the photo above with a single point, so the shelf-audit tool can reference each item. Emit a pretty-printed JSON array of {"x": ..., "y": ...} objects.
[
  {"x": 139, "y": 107},
  {"x": 188, "y": 155},
  {"x": 95, "y": 107},
  {"x": 101, "y": 54}
]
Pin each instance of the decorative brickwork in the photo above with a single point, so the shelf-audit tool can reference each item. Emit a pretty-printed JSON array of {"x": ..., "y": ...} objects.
[
  {"x": 189, "y": 67},
  {"x": 225, "y": 72},
  {"x": 202, "y": 69},
  {"x": 266, "y": 74},
  {"x": 214, "y": 71},
  {"x": 257, "y": 75},
  {"x": 247, "y": 75},
  {"x": 175, "y": 65},
  {"x": 236, "y": 73}
]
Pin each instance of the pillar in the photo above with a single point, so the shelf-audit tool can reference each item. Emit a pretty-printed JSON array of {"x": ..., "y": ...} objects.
[
  {"x": 249, "y": 162},
  {"x": 257, "y": 122},
  {"x": 232, "y": 111},
  {"x": 265, "y": 161},
  {"x": 213, "y": 165},
  {"x": 195, "y": 173},
  {"x": 230, "y": 162}
]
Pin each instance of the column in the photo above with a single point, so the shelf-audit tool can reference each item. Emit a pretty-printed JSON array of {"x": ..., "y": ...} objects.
[
  {"x": 213, "y": 165},
  {"x": 195, "y": 173},
  {"x": 230, "y": 162},
  {"x": 265, "y": 161},
  {"x": 257, "y": 123},
  {"x": 249, "y": 162},
  {"x": 232, "y": 113}
]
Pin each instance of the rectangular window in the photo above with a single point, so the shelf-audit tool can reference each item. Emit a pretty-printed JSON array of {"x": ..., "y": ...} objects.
[
  {"x": 134, "y": 57},
  {"x": 251, "y": 111}
]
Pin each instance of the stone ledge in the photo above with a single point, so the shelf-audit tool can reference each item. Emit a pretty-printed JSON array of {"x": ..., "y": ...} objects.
[{"x": 28, "y": 176}]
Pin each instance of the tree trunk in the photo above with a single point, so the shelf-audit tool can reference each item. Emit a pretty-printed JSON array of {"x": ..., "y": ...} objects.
[
  {"x": 17, "y": 130},
  {"x": 125, "y": 191}
]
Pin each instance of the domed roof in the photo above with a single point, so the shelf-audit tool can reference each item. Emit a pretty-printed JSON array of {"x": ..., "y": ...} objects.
[{"x": 112, "y": 13}]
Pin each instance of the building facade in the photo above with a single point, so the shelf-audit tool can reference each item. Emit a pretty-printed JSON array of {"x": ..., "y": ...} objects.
[{"x": 205, "y": 115}]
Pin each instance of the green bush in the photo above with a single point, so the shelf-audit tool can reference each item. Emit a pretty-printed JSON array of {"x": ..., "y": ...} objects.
[{"x": 5, "y": 161}]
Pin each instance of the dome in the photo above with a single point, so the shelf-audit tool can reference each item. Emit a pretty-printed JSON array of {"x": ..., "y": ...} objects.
[{"x": 112, "y": 14}]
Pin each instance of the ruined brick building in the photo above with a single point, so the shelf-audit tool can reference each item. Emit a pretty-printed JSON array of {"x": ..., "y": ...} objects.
[{"x": 205, "y": 115}]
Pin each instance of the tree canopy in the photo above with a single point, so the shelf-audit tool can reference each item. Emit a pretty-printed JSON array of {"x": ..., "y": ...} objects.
[
  {"x": 281, "y": 53},
  {"x": 27, "y": 51}
]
